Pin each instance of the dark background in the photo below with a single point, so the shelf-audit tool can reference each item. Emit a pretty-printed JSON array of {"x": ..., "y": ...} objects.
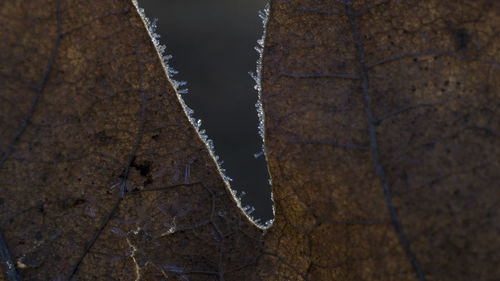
[{"x": 212, "y": 44}]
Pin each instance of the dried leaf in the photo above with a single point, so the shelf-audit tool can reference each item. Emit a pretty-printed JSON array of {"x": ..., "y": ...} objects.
[
  {"x": 381, "y": 134},
  {"x": 103, "y": 175}
]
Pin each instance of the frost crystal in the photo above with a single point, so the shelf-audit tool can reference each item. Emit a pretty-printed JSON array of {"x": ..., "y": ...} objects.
[
  {"x": 155, "y": 37},
  {"x": 264, "y": 15},
  {"x": 258, "y": 154},
  {"x": 249, "y": 209},
  {"x": 172, "y": 268}
]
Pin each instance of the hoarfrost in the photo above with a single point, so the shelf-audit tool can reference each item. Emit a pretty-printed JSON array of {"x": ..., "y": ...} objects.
[
  {"x": 172, "y": 268},
  {"x": 258, "y": 154},
  {"x": 249, "y": 209},
  {"x": 178, "y": 86},
  {"x": 264, "y": 15}
]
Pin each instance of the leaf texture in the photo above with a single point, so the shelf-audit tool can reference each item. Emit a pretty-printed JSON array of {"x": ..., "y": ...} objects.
[
  {"x": 381, "y": 135},
  {"x": 103, "y": 177}
]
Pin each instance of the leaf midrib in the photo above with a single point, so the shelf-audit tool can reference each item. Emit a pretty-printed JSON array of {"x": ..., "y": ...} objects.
[{"x": 374, "y": 146}]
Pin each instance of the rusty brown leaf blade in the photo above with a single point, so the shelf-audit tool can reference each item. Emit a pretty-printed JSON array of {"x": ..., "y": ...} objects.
[
  {"x": 382, "y": 123},
  {"x": 103, "y": 177},
  {"x": 381, "y": 134}
]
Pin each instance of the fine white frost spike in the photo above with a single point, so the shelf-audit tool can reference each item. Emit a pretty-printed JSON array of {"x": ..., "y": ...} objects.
[
  {"x": 188, "y": 171},
  {"x": 263, "y": 15},
  {"x": 114, "y": 185},
  {"x": 117, "y": 231},
  {"x": 249, "y": 209},
  {"x": 258, "y": 154},
  {"x": 90, "y": 211},
  {"x": 261, "y": 42},
  {"x": 172, "y": 268},
  {"x": 170, "y": 230},
  {"x": 178, "y": 84},
  {"x": 188, "y": 110},
  {"x": 182, "y": 91},
  {"x": 254, "y": 77}
]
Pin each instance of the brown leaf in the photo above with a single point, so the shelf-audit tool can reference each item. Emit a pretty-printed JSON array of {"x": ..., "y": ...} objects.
[
  {"x": 382, "y": 137},
  {"x": 381, "y": 134},
  {"x": 103, "y": 176}
]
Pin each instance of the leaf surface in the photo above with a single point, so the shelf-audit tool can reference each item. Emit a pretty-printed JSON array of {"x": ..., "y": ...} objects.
[
  {"x": 103, "y": 177},
  {"x": 381, "y": 135}
]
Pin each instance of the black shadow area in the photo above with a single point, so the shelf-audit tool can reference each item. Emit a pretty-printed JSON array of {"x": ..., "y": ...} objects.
[{"x": 212, "y": 44}]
